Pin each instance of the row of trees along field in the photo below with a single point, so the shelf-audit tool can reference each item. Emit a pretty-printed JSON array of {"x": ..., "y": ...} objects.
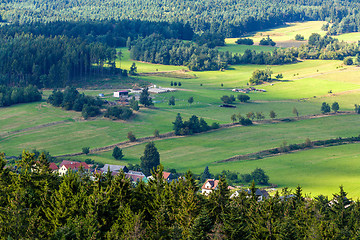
[
  {"x": 14, "y": 95},
  {"x": 230, "y": 18},
  {"x": 37, "y": 204},
  {"x": 156, "y": 49},
  {"x": 50, "y": 61}
]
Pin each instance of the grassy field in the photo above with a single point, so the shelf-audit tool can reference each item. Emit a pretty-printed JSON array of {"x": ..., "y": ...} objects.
[
  {"x": 305, "y": 86},
  {"x": 195, "y": 152},
  {"x": 287, "y": 33},
  {"x": 318, "y": 170}
]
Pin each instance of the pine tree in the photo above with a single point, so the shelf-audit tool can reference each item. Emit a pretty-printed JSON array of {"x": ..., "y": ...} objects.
[
  {"x": 145, "y": 98},
  {"x": 178, "y": 124},
  {"x": 150, "y": 159},
  {"x": 205, "y": 175},
  {"x": 117, "y": 153}
]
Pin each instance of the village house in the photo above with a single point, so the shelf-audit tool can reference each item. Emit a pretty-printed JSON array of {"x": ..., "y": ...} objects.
[
  {"x": 209, "y": 186},
  {"x": 74, "y": 166},
  {"x": 260, "y": 194},
  {"x": 123, "y": 93},
  {"x": 136, "y": 177},
  {"x": 114, "y": 169}
]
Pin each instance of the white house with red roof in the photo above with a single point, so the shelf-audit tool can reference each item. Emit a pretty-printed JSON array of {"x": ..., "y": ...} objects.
[
  {"x": 53, "y": 167},
  {"x": 75, "y": 166},
  {"x": 209, "y": 186}
]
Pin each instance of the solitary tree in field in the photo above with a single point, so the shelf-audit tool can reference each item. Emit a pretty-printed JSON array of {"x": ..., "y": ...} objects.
[
  {"x": 295, "y": 112},
  {"x": 233, "y": 118},
  {"x": 272, "y": 114},
  {"x": 117, "y": 153},
  {"x": 191, "y": 100},
  {"x": 131, "y": 137},
  {"x": 226, "y": 99},
  {"x": 243, "y": 97},
  {"x": 150, "y": 159},
  {"x": 86, "y": 150},
  {"x": 172, "y": 101},
  {"x": 156, "y": 133},
  {"x": 325, "y": 108},
  {"x": 335, "y": 107}
]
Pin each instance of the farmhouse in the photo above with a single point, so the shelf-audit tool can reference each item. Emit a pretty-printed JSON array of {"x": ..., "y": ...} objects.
[
  {"x": 74, "y": 166},
  {"x": 260, "y": 194},
  {"x": 114, "y": 169},
  {"x": 123, "y": 93},
  {"x": 209, "y": 186},
  {"x": 135, "y": 176}
]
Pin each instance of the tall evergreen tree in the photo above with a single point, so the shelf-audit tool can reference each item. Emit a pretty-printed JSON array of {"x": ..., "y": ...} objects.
[{"x": 150, "y": 159}]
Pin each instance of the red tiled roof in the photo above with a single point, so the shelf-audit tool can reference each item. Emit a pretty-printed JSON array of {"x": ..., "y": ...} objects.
[
  {"x": 166, "y": 175},
  {"x": 212, "y": 182},
  {"x": 53, "y": 166},
  {"x": 134, "y": 177},
  {"x": 75, "y": 165}
]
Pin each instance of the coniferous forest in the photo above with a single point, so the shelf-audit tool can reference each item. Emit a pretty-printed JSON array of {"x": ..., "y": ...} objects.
[{"x": 37, "y": 204}]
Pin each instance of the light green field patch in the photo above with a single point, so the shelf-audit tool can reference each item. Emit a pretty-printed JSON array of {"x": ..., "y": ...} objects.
[
  {"x": 318, "y": 171},
  {"x": 196, "y": 152},
  {"x": 348, "y": 37},
  {"x": 288, "y": 32}
]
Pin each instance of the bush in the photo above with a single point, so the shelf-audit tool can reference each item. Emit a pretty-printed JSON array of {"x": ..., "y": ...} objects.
[
  {"x": 299, "y": 37},
  {"x": 245, "y": 121},
  {"x": 215, "y": 125},
  {"x": 243, "y": 97},
  {"x": 131, "y": 137},
  {"x": 245, "y": 41},
  {"x": 156, "y": 133},
  {"x": 118, "y": 112},
  {"x": 267, "y": 42},
  {"x": 86, "y": 150},
  {"x": 348, "y": 61}
]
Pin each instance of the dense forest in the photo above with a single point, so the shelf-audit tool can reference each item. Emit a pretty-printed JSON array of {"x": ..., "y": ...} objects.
[
  {"x": 37, "y": 204},
  {"x": 111, "y": 33},
  {"x": 230, "y": 18},
  {"x": 50, "y": 61}
]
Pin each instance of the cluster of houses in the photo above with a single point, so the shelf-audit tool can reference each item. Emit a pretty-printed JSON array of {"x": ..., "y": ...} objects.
[
  {"x": 212, "y": 184},
  {"x": 136, "y": 176},
  {"x": 247, "y": 90}
]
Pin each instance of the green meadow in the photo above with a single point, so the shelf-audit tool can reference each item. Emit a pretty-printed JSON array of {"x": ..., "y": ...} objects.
[{"x": 305, "y": 86}]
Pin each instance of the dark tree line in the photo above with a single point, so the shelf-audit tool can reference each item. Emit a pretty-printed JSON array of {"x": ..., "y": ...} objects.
[
  {"x": 111, "y": 33},
  {"x": 37, "y": 204},
  {"x": 156, "y": 49},
  {"x": 50, "y": 61},
  {"x": 14, "y": 95},
  {"x": 71, "y": 99}
]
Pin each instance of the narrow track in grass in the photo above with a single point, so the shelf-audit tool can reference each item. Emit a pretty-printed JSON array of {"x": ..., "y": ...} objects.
[
  {"x": 33, "y": 128},
  {"x": 283, "y": 150},
  {"x": 171, "y": 135}
]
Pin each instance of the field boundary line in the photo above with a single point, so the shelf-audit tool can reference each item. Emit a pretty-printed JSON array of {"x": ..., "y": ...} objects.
[{"x": 35, "y": 127}]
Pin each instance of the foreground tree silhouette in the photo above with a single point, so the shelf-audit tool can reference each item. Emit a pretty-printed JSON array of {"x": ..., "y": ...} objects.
[{"x": 150, "y": 159}]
